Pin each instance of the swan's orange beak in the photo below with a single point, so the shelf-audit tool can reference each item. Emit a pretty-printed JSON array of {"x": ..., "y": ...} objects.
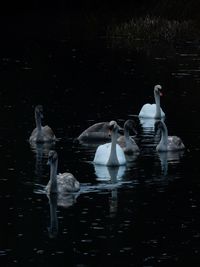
[{"x": 161, "y": 94}]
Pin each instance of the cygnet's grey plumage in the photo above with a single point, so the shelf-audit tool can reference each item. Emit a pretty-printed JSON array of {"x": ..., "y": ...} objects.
[
  {"x": 167, "y": 143},
  {"x": 41, "y": 134},
  {"x": 126, "y": 142},
  {"x": 97, "y": 132},
  {"x": 61, "y": 183}
]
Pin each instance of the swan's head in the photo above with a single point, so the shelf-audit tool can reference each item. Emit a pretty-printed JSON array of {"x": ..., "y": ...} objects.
[
  {"x": 39, "y": 111},
  {"x": 53, "y": 156},
  {"x": 158, "y": 89},
  {"x": 130, "y": 125},
  {"x": 113, "y": 125}
]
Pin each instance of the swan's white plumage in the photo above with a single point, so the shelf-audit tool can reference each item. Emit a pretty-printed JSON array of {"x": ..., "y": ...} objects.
[
  {"x": 103, "y": 153},
  {"x": 149, "y": 111},
  {"x": 153, "y": 110},
  {"x": 110, "y": 154}
]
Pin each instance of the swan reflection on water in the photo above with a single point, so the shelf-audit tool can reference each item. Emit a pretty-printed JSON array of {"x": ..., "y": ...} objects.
[
  {"x": 41, "y": 151},
  {"x": 107, "y": 173},
  {"x": 53, "y": 228},
  {"x": 56, "y": 200},
  {"x": 148, "y": 123},
  {"x": 112, "y": 175},
  {"x": 169, "y": 157}
]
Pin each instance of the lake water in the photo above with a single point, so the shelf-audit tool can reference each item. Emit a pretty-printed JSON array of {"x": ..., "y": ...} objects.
[{"x": 144, "y": 214}]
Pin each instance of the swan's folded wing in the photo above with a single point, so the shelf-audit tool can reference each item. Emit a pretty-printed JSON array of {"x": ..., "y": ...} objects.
[
  {"x": 102, "y": 154},
  {"x": 67, "y": 182},
  {"x": 175, "y": 143},
  {"x": 48, "y": 131}
]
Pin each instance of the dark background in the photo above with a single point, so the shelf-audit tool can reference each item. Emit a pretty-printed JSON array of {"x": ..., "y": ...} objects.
[{"x": 43, "y": 19}]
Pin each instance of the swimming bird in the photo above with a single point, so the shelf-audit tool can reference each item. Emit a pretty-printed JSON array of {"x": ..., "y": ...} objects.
[
  {"x": 153, "y": 110},
  {"x": 110, "y": 154},
  {"x": 97, "y": 132},
  {"x": 60, "y": 183},
  {"x": 167, "y": 143},
  {"x": 41, "y": 134},
  {"x": 126, "y": 142}
]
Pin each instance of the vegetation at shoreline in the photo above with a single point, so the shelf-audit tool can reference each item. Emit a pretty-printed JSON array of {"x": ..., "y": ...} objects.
[{"x": 151, "y": 31}]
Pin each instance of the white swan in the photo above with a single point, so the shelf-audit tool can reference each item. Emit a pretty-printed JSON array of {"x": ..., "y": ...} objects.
[
  {"x": 153, "y": 110},
  {"x": 110, "y": 154},
  {"x": 97, "y": 132},
  {"x": 60, "y": 183},
  {"x": 41, "y": 134},
  {"x": 126, "y": 142},
  {"x": 167, "y": 143}
]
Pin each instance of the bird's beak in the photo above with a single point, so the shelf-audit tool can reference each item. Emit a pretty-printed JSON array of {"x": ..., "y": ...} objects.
[
  {"x": 161, "y": 94},
  {"x": 48, "y": 162},
  {"x": 135, "y": 132}
]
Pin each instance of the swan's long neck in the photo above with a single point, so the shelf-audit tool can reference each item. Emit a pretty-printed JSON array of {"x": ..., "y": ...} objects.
[
  {"x": 38, "y": 121},
  {"x": 157, "y": 101},
  {"x": 127, "y": 137},
  {"x": 113, "y": 160},
  {"x": 164, "y": 137},
  {"x": 53, "y": 176},
  {"x": 53, "y": 230}
]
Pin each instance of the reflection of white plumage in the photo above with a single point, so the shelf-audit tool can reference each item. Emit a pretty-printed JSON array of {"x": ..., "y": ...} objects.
[
  {"x": 126, "y": 142},
  {"x": 106, "y": 173},
  {"x": 111, "y": 175},
  {"x": 168, "y": 143},
  {"x": 153, "y": 110},
  {"x": 41, "y": 134},
  {"x": 110, "y": 154},
  {"x": 60, "y": 183},
  {"x": 148, "y": 123}
]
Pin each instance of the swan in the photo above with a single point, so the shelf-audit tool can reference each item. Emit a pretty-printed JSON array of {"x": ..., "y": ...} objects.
[
  {"x": 110, "y": 154},
  {"x": 60, "y": 183},
  {"x": 97, "y": 132},
  {"x": 41, "y": 134},
  {"x": 167, "y": 143},
  {"x": 153, "y": 110},
  {"x": 126, "y": 142}
]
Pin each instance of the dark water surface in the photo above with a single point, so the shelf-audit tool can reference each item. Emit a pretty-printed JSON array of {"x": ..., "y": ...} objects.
[{"x": 144, "y": 214}]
